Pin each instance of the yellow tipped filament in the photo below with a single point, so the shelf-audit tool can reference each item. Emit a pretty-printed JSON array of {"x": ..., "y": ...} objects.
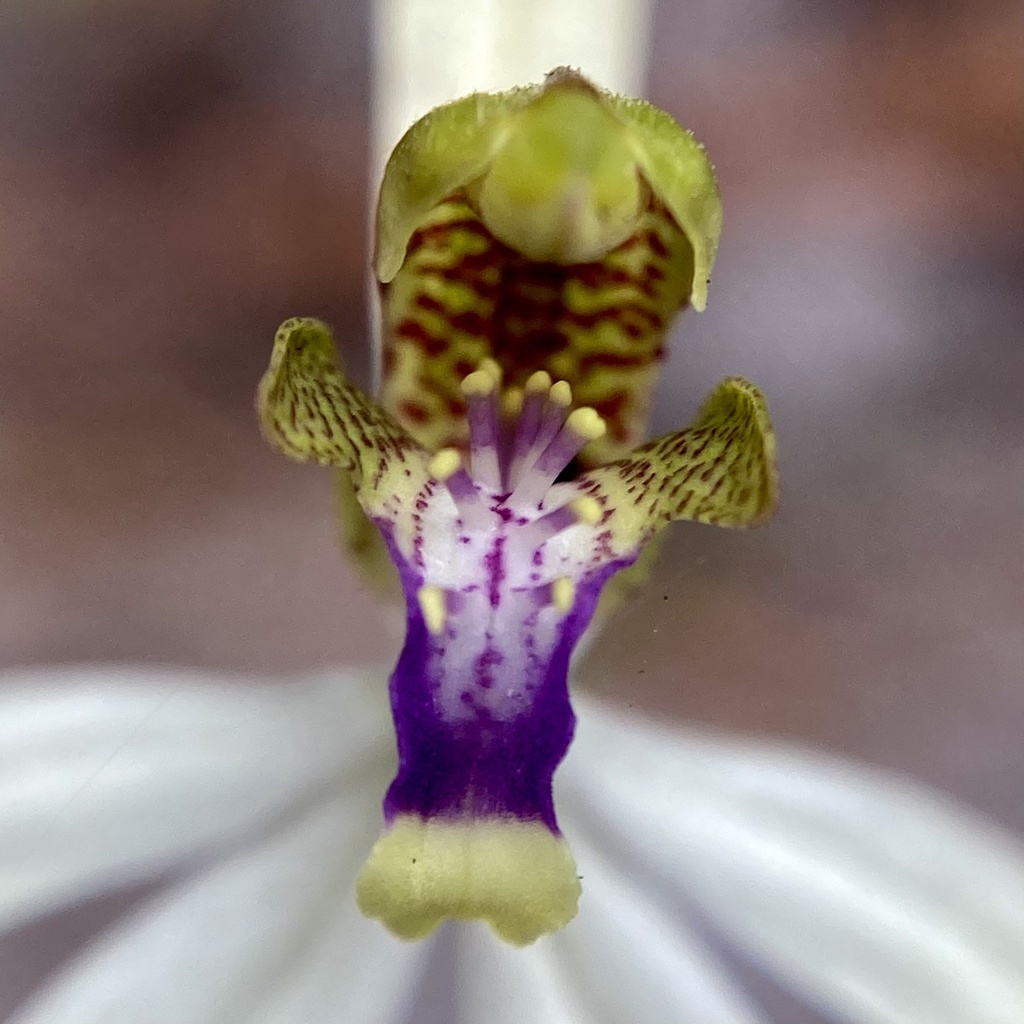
[
  {"x": 479, "y": 382},
  {"x": 538, "y": 383},
  {"x": 445, "y": 462},
  {"x": 431, "y": 601},
  {"x": 563, "y": 593},
  {"x": 491, "y": 368},
  {"x": 561, "y": 394},
  {"x": 586, "y": 423},
  {"x": 512, "y": 403},
  {"x": 587, "y": 510}
]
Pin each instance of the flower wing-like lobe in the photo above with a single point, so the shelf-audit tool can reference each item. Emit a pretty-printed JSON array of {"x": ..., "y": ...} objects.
[
  {"x": 311, "y": 412},
  {"x": 681, "y": 175},
  {"x": 720, "y": 470}
]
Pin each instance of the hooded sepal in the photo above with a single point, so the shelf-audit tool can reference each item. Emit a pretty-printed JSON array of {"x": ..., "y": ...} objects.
[{"x": 560, "y": 172}]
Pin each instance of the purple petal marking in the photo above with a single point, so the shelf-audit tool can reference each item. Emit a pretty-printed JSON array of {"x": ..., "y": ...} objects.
[{"x": 482, "y": 765}]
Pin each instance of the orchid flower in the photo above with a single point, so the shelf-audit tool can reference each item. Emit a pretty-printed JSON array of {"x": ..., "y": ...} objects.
[
  {"x": 553, "y": 229},
  {"x": 506, "y": 501}
]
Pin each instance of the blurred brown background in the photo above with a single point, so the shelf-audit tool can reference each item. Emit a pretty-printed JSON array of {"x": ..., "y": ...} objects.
[{"x": 175, "y": 181}]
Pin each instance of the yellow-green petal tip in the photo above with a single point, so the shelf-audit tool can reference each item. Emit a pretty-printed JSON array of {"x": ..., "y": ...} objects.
[{"x": 516, "y": 875}]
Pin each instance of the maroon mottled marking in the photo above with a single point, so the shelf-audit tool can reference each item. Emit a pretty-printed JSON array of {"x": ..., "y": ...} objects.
[
  {"x": 610, "y": 410},
  {"x": 413, "y": 331},
  {"x": 436, "y": 388},
  {"x": 520, "y": 315},
  {"x": 470, "y": 321},
  {"x": 613, "y": 361},
  {"x": 656, "y": 245},
  {"x": 414, "y": 412},
  {"x": 470, "y": 263},
  {"x": 494, "y": 562},
  {"x": 436, "y": 235},
  {"x": 597, "y": 276},
  {"x": 485, "y": 665},
  {"x": 698, "y": 452},
  {"x": 430, "y": 304}
]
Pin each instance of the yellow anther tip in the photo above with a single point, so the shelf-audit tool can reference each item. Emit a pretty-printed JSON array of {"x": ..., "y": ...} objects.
[
  {"x": 586, "y": 423},
  {"x": 431, "y": 602},
  {"x": 512, "y": 403},
  {"x": 491, "y": 368},
  {"x": 479, "y": 382},
  {"x": 561, "y": 393},
  {"x": 538, "y": 383},
  {"x": 587, "y": 510},
  {"x": 563, "y": 593},
  {"x": 445, "y": 462}
]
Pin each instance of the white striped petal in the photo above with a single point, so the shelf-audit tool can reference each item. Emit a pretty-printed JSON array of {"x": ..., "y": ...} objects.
[
  {"x": 876, "y": 899},
  {"x": 622, "y": 959},
  {"x": 626, "y": 959},
  {"x": 268, "y": 936},
  {"x": 499, "y": 985},
  {"x": 108, "y": 777}
]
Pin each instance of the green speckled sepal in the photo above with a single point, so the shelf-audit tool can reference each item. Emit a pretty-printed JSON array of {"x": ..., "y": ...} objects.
[
  {"x": 720, "y": 470},
  {"x": 311, "y": 412},
  {"x": 557, "y": 171}
]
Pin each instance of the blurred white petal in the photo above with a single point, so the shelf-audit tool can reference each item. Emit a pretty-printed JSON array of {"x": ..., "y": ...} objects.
[
  {"x": 108, "y": 777},
  {"x": 873, "y": 897},
  {"x": 625, "y": 959},
  {"x": 497, "y": 985},
  {"x": 269, "y": 936}
]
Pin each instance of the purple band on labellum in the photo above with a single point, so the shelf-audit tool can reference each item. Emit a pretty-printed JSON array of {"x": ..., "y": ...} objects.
[{"x": 495, "y": 754}]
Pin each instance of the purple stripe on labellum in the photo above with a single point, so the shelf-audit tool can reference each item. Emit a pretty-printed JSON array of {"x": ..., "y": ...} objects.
[{"x": 494, "y": 566}]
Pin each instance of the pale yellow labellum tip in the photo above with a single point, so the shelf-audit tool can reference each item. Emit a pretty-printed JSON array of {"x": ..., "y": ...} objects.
[{"x": 516, "y": 875}]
